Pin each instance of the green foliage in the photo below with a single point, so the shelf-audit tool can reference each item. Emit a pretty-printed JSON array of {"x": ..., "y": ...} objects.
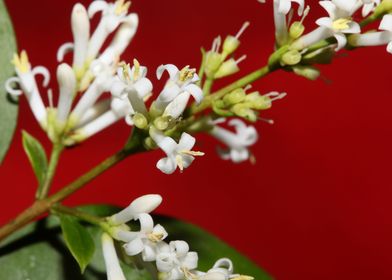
[
  {"x": 78, "y": 239},
  {"x": 38, "y": 252},
  {"x": 36, "y": 154},
  {"x": 8, "y": 107}
]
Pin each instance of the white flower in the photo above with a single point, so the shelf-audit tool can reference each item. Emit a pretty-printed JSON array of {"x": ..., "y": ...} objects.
[
  {"x": 176, "y": 260},
  {"x": 113, "y": 268},
  {"x": 383, "y": 37},
  {"x": 237, "y": 142},
  {"x": 180, "y": 154},
  {"x": 181, "y": 85},
  {"x": 281, "y": 10},
  {"x": 147, "y": 241},
  {"x": 132, "y": 84},
  {"x": 104, "y": 78},
  {"x": 26, "y": 81},
  {"x": 112, "y": 15},
  {"x": 337, "y": 24},
  {"x": 143, "y": 204}
]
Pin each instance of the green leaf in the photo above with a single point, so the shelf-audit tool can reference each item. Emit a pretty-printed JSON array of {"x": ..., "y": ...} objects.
[
  {"x": 8, "y": 107},
  {"x": 79, "y": 241},
  {"x": 36, "y": 154},
  {"x": 37, "y": 252}
]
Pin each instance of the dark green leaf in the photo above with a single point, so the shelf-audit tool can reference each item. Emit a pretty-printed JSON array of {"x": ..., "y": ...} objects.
[
  {"x": 37, "y": 252},
  {"x": 36, "y": 154},
  {"x": 8, "y": 107},
  {"x": 79, "y": 241}
]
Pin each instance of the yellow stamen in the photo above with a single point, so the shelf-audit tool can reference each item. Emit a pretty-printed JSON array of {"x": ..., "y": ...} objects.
[
  {"x": 341, "y": 24},
  {"x": 155, "y": 237},
  {"x": 243, "y": 277},
  {"x": 122, "y": 6},
  {"x": 186, "y": 73},
  {"x": 193, "y": 153},
  {"x": 136, "y": 71},
  {"x": 180, "y": 162},
  {"x": 21, "y": 62},
  {"x": 126, "y": 69}
]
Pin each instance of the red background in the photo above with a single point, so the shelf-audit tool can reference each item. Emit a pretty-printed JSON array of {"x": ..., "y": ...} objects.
[{"x": 317, "y": 205}]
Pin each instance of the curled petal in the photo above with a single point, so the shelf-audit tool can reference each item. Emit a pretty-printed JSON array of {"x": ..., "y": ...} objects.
[
  {"x": 170, "y": 68},
  {"x": 329, "y": 7},
  {"x": 146, "y": 223},
  {"x": 389, "y": 47},
  {"x": 158, "y": 229},
  {"x": 341, "y": 40},
  {"x": 181, "y": 248},
  {"x": 9, "y": 88},
  {"x": 325, "y": 22},
  {"x": 63, "y": 50},
  {"x": 224, "y": 263},
  {"x": 190, "y": 260},
  {"x": 134, "y": 247},
  {"x": 239, "y": 155},
  {"x": 148, "y": 253},
  {"x": 97, "y": 6},
  {"x": 195, "y": 91},
  {"x": 164, "y": 262},
  {"x": 40, "y": 70}
]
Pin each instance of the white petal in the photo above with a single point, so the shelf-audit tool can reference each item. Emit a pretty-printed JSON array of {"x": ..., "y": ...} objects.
[
  {"x": 167, "y": 165},
  {"x": 169, "y": 92},
  {"x": 190, "y": 260},
  {"x": 329, "y": 7},
  {"x": 389, "y": 47},
  {"x": 341, "y": 40},
  {"x": 239, "y": 155},
  {"x": 181, "y": 248},
  {"x": 143, "y": 87},
  {"x": 386, "y": 23},
  {"x": 44, "y": 72},
  {"x": 97, "y": 6},
  {"x": 9, "y": 86},
  {"x": 81, "y": 33},
  {"x": 63, "y": 50},
  {"x": 284, "y": 6},
  {"x": 113, "y": 269},
  {"x": 353, "y": 28},
  {"x": 146, "y": 223},
  {"x": 167, "y": 144},
  {"x": 186, "y": 142},
  {"x": 149, "y": 253},
  {"x": 170, "y": 68},
  {"x": 164, "y": 262},
  {"x": 67, "y": 83},
  {"x": 187, "y": 160},
  {"x": 224, "y": 263},
  {"x": 325, "y": 22},
  {"x": 178, "y": 105},
  {"x": 134, "y": 247},
  {"x": 195, "y": 91},
  {"x": 158, "y": 229}
]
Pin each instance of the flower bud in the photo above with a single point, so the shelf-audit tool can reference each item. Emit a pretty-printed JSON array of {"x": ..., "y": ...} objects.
[
  {"x": 230, "y": 45},
  {"x": 296, "y": 30},
  {"x": 292, "y": 57},
  {"x": 81, "y": 34},
  {"x": 242, "y": 110},
  {"x": 140, "y": 121},
  {"x": 213, "y": 62},
  {"x": 143, "y": 204},
  {"x": 228, "y": 67},
  {"x": 67, "y": 83},
  {"x": 162, "y": 123},
  {"x": 308, "y": 72},
  {"x": 234, "y": 97},
  {"x": 218, "y": 107},
  {"x": 258, "y": 102}
]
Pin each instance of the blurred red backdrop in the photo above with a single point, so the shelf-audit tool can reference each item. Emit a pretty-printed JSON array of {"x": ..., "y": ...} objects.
[{"x": 317, "y": 205}]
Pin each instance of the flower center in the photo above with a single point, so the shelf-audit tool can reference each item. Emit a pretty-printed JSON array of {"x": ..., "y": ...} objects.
[
  {"x": 155, "y": 237},
  {"x": 187, "y": 74},
  {"x": 21, "y": 62},
  {"x": 122, "y": 6},
  {"x": 341, "y": 24}
]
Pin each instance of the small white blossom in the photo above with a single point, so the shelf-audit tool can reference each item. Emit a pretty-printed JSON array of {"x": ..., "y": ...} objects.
[
  {"x": 112, "y": 264},
  {"x": 176, "y": 260},
  {"x": 178, "y": 89},
  {"x": 147, "y": 241},
  {"x": 337, "y": 24},
  {"x": 237, "y": 142},
  {"x": 144, "y": 204},
  {"x": 178, "y": 155},
  {"x": 25, "y": 79}
]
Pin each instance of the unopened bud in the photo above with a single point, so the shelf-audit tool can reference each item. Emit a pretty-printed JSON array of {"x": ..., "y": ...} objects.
[
  {"x": 308, "y": 72},
  {"x": 140, "y": 121},
  {"x": 235, "y": 97},
  {"x": 143, "y": 204},
  {"x": 227, "y": 68},
  {"x": 245, "y": 112},
  {"x": 161, "y": 123},
  {"x": 219, "y": 106},
  {"x": 292, "y": 57},
  {"x": 213, "y": 62},
  {"x": 296, "y": 30},
  {"x": 258, "y": 102}
]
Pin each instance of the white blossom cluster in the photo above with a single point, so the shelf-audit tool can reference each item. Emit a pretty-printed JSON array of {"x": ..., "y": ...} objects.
[
  {"x": 174, "y": 260},
  {"x": 339, "y": 23},
  {"x": 97, "y": 89}
]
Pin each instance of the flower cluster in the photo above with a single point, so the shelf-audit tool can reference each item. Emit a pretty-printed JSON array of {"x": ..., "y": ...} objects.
[{"x": 174, "y": 260}]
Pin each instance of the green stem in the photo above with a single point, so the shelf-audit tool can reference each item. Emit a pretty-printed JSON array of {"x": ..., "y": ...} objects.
[
  {"x": 43, "y": 190},
  {"x": 207, "y": 86},
  {"x": 244, "y": 81},
  {"x": 95, "y": 220}
]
